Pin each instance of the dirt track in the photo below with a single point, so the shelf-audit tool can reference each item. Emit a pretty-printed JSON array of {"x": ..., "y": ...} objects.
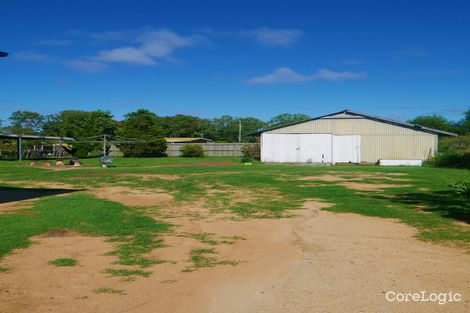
[{"x": 315, "y": 262}]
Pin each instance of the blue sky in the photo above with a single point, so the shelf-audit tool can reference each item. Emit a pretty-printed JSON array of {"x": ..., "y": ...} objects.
[{"x": 396, "y": 59}]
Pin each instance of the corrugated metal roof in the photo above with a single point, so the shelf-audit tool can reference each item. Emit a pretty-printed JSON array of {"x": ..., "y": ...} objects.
[
  {"x": 372, "y": 117},
  {"x": 36, "y": 137}
]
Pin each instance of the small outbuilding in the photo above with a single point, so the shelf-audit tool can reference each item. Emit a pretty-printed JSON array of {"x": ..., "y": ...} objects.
[{"x": 348, "y": 137}]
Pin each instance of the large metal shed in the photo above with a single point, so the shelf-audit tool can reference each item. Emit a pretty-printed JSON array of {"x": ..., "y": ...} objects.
[{"x": 348, "y": 137}]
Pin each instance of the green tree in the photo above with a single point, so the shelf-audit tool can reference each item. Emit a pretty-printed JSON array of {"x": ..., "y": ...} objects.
[
  {"x": 435, "y": 121},
  {"x": 184, "y": 126},
  {"x": 143, "y": 125},
  {"x": 81, "y": 125},
  {"x": 464, "y": 124},
  {"x": 287, "y": 118},
  {"x": 226, "y": 128},
  {"x": 26, "y": 122},
  {"x": 251, "y": 125}
]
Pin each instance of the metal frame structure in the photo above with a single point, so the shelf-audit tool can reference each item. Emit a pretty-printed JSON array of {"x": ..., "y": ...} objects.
[{"x": 19, "y": 139}]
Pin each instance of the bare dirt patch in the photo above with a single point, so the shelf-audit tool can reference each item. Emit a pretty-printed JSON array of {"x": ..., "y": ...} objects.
[
  {"x": 12, "y": 207},
  {"x": 349, "y": 176},
  {"x": 133, "y": 197},
  {"x": 314, "y": 205},
  {"x": 369, "y": 187},
  {"x": 200, "y": 164},
  {"x": 327, "y": 178},
  {"x": 359, "y": 258},
  {"x": 155, "y": 176},
  {"x": 317, "y": 261},
  {"x": 38, "y": 184},
  {"x": 59, "y": 168}
]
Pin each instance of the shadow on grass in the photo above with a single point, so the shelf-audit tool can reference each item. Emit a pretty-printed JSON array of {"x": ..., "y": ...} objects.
[
  {"x": 443, "y": 203},
  {"x": 9, "y": 194}
]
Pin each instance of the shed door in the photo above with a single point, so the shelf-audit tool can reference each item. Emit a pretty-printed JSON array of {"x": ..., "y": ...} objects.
[
  {"x": 296, "y": 148},
  {"x": 347, "y": 149}
]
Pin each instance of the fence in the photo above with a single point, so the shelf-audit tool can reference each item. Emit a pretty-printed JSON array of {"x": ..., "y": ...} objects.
[{"x": 210, "y": 149}]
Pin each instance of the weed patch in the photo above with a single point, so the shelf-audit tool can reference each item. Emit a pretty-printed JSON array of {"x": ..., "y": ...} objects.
[
  {"x": 64, "y": 262},
  {"x": 128, "y": 275},
  {"x": 200, "y": 259},
  {"x": 108, "y": 290}
]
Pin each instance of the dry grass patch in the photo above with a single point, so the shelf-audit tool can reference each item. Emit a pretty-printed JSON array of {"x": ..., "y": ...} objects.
[
  {"x": 368, "y": 186},
  {"x": 133, "y": 197}
]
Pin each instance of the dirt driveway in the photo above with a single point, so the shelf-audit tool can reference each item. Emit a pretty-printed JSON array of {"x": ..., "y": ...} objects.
[{"x": 317, "y": 261}]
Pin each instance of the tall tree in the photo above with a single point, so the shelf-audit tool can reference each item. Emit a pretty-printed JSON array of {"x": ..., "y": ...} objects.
[
  {"x": 224, "y": 129},
  {"x": 435, "y": 121},
  {"x": 184, "y": 126},
  {"x": 142, "y": 124},
  {"x": 26, "y": 122},
  {"x": 464, "y": 124},
  {"x": 287, "y": 118},
  {"x": 81, "y": 125},
  {"x": 251, "y": 125}
]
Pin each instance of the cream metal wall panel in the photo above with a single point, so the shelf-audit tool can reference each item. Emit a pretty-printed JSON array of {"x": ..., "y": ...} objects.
[
  {"x": 379, "y": 140},
  {"x": 345, "y": 126},
  {"x": 398, "y": 147}
]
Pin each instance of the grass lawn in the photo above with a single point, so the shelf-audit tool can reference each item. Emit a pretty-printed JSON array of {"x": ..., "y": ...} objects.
[{"x": 419, "y": 197}]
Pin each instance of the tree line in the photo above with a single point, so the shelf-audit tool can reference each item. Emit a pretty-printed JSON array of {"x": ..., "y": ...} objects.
[
  {"x": 141, "y": 124},
  {"x": 80, "y": 124},
  {"x": 146, "y": 125}
]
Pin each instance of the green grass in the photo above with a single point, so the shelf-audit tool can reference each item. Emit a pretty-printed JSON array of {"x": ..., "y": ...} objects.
[
  {"x": 275, "y": 192},
  {"x": 108, "y": 290},
  {"x": 128, "y": 275},
  {"x": 200, "y": 258},
  {"x": 209, "y": 238},
  {"x": 64, "y": 262},
  {"x": 134, "y": 233}
]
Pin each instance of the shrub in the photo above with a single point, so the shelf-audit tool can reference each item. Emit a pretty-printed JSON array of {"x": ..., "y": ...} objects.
[
  {"x": 460, "y": 143},
  {"x": 461, "y": 189},
  {"x": 81, "y": 150},
  {"x": 150, "y": 148},
  {"x": 456, "y": 159},
  {"x": 192, "y": 151},
  {"x": 252, "y": 150},
  {"x": 247, "y": 159}
]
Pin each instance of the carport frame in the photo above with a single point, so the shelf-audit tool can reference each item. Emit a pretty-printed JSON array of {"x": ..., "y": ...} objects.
[{"x": 19, "y": 140}]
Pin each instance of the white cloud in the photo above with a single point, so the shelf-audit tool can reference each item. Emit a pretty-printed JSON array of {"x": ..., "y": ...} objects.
[
  {"x": 125, "y": 55},
  {"x": 287, "y": 75},
  {"x": 281, "y": 75},
  {"x": 87, "y": 66},
  {"x": 162, "y": 43},
  {"x": 274, "y": 37},
  {"x": 151, "y": 46},
  {"x": 32, "y": 56},
  {"x": 324, "y": 74}
]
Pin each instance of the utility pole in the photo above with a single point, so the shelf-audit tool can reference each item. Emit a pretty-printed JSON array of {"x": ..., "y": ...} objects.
[{"x": 239, "y": 130}]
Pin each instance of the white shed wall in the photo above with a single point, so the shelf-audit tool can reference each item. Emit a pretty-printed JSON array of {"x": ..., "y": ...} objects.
[{"x": 379, "y": 140}]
